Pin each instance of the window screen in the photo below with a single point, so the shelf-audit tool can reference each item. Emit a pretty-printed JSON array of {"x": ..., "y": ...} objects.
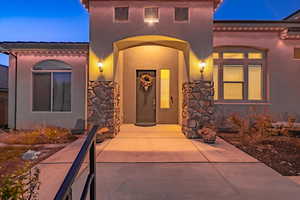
[
  {"x": 121, "y": 13},
  {"x": 181, "y": 14},
  {"x": 62, "y": 91},
  {"x": 254, "y": 82},
  {"x": 233, "y": 77},
  {"x": 41, "y": 91}
]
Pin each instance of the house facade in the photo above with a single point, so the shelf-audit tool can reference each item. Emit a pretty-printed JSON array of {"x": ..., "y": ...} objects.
[
  {"x": 3, "y": 95},
  {"x": 156, "y": 62}
]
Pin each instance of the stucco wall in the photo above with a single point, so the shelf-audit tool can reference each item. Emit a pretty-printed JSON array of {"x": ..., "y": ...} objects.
[
  {"x": 104, "y": 32},
  {"x": 25, "y": 117},
  {"x": 282, "y": 71}
]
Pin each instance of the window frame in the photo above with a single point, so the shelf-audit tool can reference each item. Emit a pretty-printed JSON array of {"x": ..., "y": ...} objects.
[
  {"x": 245, "y": 62},
  {"x": 184, "y": 21},
  {"x": 158, "y": 13},
  {"x": 121, "y": 21},
  {"x": 51, "y": 90}
]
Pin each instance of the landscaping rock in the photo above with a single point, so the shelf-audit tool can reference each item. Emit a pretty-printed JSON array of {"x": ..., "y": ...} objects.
[
  {"x": 209, "y": 136},
  {"x": 30, "y": 155},
  {"x": 283, "y": 162},
  {"x": 259, "y": 149}
]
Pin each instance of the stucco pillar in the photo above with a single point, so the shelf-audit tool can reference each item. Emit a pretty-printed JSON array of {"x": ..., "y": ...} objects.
[{"x": 198, "y": 108}]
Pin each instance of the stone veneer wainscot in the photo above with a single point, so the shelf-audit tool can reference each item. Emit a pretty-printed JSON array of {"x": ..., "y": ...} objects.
[
  {"x": 104, "y": 105},
  {"x": 198, "y": 107}
]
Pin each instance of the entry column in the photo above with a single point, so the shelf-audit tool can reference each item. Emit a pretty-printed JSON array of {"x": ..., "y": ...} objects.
[{"x": 198, "y": 107}]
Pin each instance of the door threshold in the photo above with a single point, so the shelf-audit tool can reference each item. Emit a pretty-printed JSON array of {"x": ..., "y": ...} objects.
[{"x": 145, "y": 124}]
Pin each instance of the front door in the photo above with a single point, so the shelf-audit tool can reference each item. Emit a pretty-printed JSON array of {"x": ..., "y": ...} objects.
[{"x": 145, "y": 97}]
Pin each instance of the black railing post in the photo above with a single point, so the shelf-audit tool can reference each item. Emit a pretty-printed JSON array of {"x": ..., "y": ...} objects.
[
  {"x": 65, "y": 190},
  {"x": 93, "y": 170}
]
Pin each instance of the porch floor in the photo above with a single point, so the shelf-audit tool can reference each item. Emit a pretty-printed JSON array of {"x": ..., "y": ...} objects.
[{"x": 146, "y": 163}]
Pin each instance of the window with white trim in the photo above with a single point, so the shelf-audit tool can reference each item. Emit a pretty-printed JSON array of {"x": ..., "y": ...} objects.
[
  {"x": 51, "y": 86},
  {"x": 151, "y": 15},
  {"x": 181, "y": 14},
  {"x": 121, "y": 14},
  {"x": 239, "y": 74}
]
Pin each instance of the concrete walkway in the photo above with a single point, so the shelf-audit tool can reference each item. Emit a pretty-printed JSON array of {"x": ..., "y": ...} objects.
[{"x": 160, "y": 163}]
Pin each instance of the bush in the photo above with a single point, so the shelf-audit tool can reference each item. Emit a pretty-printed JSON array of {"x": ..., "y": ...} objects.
[
  {"x": 23, "y": 185},
  {"x": 46, "y": 135},
  {"x": 254, "y": 127}
]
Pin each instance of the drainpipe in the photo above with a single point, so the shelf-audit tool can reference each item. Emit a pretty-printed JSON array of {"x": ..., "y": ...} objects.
[{"x": 16, "y": 87}]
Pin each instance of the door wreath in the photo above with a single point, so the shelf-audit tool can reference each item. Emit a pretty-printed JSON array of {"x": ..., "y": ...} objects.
[{"x": 146, "y": 81}]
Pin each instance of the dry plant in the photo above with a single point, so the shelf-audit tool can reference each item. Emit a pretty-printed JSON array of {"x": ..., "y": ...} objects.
[
  {"x": 44, "y": 135},
  {"x": 254, "y": 127},
  {"x": 22, "y": 185}
]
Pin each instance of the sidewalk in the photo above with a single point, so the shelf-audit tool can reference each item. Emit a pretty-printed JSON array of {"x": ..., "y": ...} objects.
[
  {"x": 55, "y": 168},
  {"x": 160, "y": 163}
]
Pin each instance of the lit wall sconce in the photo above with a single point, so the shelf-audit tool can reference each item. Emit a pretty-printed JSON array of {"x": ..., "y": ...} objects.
[
  {"x": 202, "y": 66},
  {"x": 100, "y": 65}
]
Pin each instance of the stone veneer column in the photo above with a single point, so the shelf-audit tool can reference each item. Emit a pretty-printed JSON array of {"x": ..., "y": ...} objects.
[
  {"x": 198, "y": 108},
  {"x": 104, "y": 105}
]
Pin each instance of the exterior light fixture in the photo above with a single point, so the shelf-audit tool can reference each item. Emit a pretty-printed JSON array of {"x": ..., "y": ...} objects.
[
  {"x": 202, "y": 66},
  {"x": 100, "y": 65}
]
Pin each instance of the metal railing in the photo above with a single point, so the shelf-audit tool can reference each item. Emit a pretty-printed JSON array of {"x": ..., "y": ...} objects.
[{"x": 65, "y": 190}]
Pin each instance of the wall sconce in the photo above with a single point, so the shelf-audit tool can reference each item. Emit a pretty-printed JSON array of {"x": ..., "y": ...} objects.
[
  {"x": 202, "y": 66},
  {"x": 100, "y": 65}
]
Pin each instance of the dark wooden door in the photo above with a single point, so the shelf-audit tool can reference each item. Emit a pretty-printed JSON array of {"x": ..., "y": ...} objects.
[{"x": 145, "y": 99}]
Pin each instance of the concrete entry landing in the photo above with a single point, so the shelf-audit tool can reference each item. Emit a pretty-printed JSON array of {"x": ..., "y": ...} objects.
[
  {"x": 160, "y": 163},
  {"x": 162, "y": 143}
]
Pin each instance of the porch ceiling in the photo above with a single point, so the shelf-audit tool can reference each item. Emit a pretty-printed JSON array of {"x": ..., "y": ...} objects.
[
  {"x": 165, "y": 41},
  {"x": 152, "y": 40}
]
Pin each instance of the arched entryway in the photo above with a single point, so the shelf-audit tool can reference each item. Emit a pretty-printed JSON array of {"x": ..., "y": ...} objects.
[{"x": 150, "y": 71}]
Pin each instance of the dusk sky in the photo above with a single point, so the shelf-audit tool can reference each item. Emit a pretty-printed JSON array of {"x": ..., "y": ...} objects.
[{"x": 67, "y": 20}]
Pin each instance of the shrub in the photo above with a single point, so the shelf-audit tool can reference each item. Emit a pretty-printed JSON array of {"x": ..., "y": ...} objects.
[
  {"x": 254, "y": 127},
  {"x": 23, "y": 185},
  {"x": 46, "y": 135}
]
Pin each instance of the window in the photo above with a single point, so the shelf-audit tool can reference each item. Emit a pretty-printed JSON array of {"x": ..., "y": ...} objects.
[
  {"x": 297, "y": 53},
  {"x": 216, "y": 56},
  {"x": 233, "y": 55},
  {"x": 233, "y": 78},
  {"x": 216, "y": 81},
  {"x": 121, "y": 14},
  {"x": 238, "y": 74},
  {"x": 255, "y": 56},
  {"x": 165, "y": 88},
  {"x": 52, "y": 86},
  {"x": 254, "y": 82},
  {"x": 181, "y": 14},
  {"x": 151, "y": 15}
]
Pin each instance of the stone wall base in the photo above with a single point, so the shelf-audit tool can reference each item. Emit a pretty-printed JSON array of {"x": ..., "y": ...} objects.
[
  {"x": 104, "y": 105},
  {"x": 198, "y": 107}
]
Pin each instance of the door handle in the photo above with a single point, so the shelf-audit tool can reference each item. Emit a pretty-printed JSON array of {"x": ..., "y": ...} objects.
[
  {"x": 154, "y": 103},
  {"x": 171, "y": 98}
]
